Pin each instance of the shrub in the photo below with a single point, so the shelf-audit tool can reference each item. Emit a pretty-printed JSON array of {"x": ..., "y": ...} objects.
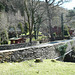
[
  {"x": 54, "y": 34},
  {"x": 41, "y": 38},
  {"x": 5, "y": 42},
  {"x": 62, "y": 49},
  {"x": 66, "y": 32}
]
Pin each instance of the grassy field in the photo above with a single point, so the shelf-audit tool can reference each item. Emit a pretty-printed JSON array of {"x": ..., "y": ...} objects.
[{"x": 47, "y": 67}]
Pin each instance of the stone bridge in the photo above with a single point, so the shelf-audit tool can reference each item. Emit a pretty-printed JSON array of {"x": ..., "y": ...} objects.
[
  {"x": 45, "y": 51},
  {"x": 69, "y": 56}
]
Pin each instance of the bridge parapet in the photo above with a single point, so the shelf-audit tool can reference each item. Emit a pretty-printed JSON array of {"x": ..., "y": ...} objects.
[{"x": 45, "y": 51}]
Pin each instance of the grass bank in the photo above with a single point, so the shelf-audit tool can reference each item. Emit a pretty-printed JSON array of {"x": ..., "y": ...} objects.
[{"x": 47, "y": 67}]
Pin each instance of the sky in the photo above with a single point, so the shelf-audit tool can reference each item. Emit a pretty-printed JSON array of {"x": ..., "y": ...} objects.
[{"x": 69, "y": 5}]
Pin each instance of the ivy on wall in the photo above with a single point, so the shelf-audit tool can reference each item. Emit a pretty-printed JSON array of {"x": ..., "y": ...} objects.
[
  {"x": 62, "y": 49},
  {"x": 1, "y": 7}
]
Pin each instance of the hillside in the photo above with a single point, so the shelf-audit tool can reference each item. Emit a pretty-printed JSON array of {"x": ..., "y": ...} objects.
[
  {"x": 14, "y": 14},
  {"x": 14, "y": 11}
]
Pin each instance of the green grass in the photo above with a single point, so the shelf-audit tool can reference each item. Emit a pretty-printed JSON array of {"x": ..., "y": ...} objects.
[{"x": 47, "y": 67}]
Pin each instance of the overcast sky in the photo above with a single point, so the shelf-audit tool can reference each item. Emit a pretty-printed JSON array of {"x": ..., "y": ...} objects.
[{"x": 69, "y": 5}]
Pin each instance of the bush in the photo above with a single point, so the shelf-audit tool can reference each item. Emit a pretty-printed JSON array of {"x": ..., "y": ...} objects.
[
  {"x": 66, "y": 32},
  {"x": 41, "y": 38},
  {"x": 5, "y": 42},
  {"x": 62, "y": 49},
  {"x": 54, "y": 34}
]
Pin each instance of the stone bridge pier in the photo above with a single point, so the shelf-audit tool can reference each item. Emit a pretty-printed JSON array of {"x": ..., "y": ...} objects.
[{"x": 69, "y": 57}]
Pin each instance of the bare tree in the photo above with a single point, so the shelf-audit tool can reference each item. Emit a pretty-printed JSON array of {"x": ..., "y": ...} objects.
[
  {"x": 31, "y": 15},
  {"x": 32, "y": 18},
  {"x": 50, "y": 6}
]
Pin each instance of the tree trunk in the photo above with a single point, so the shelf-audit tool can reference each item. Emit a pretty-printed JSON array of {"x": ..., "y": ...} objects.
[
  {"x": 49, "y": 17},
  {"x": 62, "y": 26},
  {"x": 30, "y": 36}
]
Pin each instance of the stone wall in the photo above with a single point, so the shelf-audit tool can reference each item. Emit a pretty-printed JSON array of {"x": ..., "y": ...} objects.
[
  {"x": 16, "y": 46},
  {"x": 45, "y": 51}
]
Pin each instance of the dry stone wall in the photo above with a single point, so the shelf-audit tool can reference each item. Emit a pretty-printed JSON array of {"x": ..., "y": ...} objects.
[
  {"x": 16, "y": 46},
  {"x": 45, "y": 51}
]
